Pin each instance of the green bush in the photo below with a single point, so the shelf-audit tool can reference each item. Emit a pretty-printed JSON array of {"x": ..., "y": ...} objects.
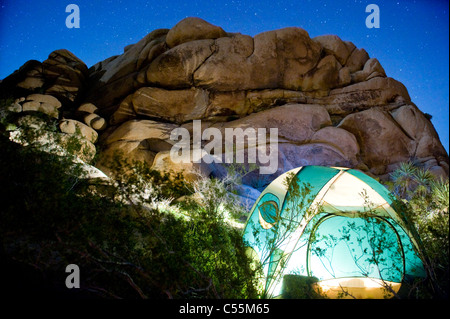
[
  {"x": 53, "y": 216},
  {"x": 425, "y": 200}
]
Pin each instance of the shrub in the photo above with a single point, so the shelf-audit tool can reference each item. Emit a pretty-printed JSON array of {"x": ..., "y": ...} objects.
[
  {"x": 426, "y": 200},
  {"x": 52, "y": 216}
]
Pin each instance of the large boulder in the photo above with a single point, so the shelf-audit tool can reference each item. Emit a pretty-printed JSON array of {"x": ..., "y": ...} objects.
[
  {"x": 190, "y": 170},
  {"x": 28, "y": 77},
  {"x": 272, "y": 59},
  {"x": 340, "y": 139},
  {"x": 61, "y": 75},
  {"x": 325, "y": 76},
  {"x": 293, "y": 156},
  {"x": 47, "y": 99},
  {"x": 357, "y": 60},
  {"x": 332, "y": 44},
  {"x": 372, "y": 68},
  {"x": 171, "y": 105},
  {"x": 37, "y": 103},
  {"x": 73, "y": 127},
  {"x": 138, "y": 130},
  {"x": 381, "y": 140},
  {"x": 65, "y": 76},
  {"x": 377, "y": 91},
  {"x": 135, "y": 140},
  {"x": 175, "y": 68},
  {"x": 295, "y": 122},
  {"x": 187, "y": 104},
  {"x": 419, "y": 128},
  {"x": 191, "y": 29}
]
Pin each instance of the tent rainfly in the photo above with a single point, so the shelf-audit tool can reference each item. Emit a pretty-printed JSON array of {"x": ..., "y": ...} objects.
[{"x": 336, "y": 226}]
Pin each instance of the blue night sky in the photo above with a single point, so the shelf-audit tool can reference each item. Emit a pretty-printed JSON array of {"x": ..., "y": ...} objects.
[{"x": 412, "y": 43}]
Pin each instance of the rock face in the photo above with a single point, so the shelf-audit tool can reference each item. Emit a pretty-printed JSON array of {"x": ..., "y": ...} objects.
[
  {"x": 62, "y": 75},
  {"x": 192, "y": 29},
  {"x": 331, "y": 102}
]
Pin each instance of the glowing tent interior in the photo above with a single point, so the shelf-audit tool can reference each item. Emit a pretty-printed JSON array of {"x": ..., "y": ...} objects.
[{"x": 336, "y": 225}]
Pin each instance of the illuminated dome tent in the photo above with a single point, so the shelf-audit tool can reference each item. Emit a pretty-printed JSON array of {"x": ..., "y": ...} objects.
[{"x": 337, "y": 225}]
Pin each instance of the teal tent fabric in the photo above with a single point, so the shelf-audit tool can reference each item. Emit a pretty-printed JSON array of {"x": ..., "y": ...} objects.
[
  {"x": 312, "y": 222},
  {"x": 343, "y": 247}
]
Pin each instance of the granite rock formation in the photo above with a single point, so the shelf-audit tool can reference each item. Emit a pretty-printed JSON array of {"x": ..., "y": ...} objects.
[{"x": 332, "y": 103}]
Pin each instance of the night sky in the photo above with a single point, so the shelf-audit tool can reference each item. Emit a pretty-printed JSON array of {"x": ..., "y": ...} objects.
[{"x": 411, "y": 44}]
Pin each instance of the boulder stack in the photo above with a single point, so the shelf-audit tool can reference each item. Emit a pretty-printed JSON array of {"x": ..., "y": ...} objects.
[{"x": 332, "y": 103}]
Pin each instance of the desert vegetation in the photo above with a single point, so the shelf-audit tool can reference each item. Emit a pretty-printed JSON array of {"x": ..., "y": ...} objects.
[{"x": 142, "y": 234}]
